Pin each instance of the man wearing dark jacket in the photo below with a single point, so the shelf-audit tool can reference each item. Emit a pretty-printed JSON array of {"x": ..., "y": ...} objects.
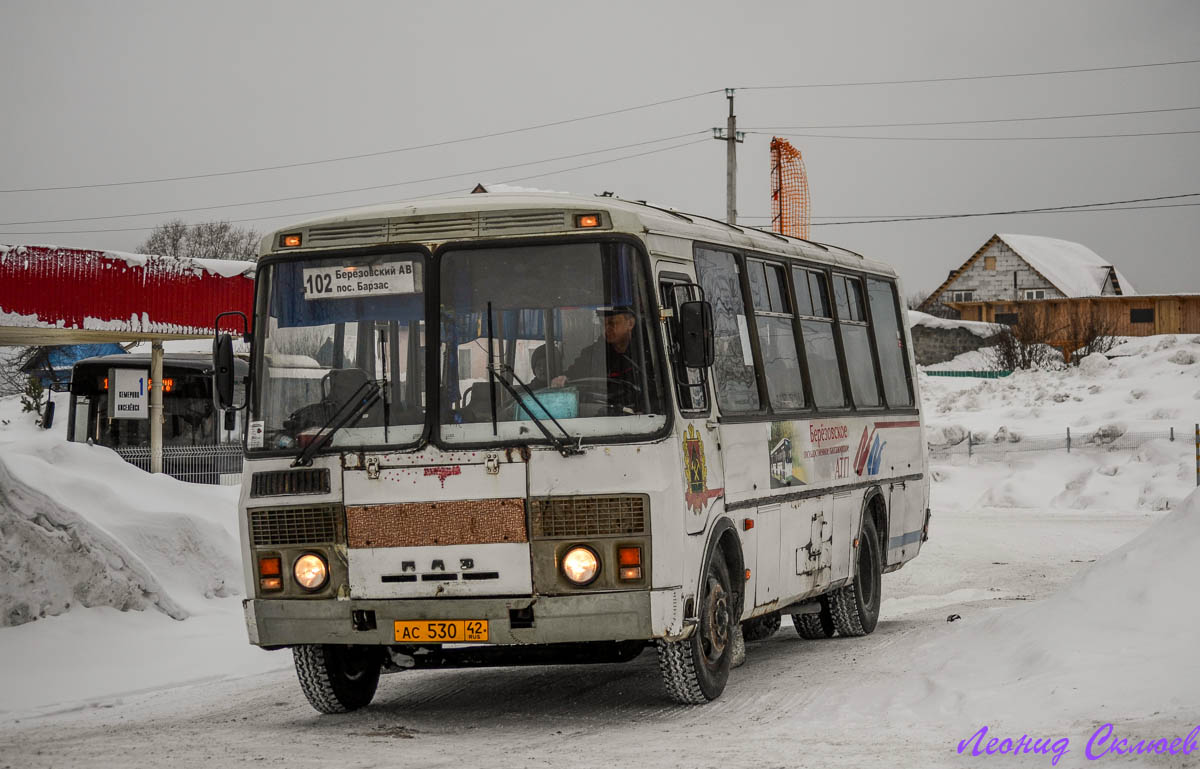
[{"x": 614, "y": 358}]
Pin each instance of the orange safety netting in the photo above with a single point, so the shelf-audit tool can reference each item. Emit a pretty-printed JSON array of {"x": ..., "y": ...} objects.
[{"x": 789, "y": 190}]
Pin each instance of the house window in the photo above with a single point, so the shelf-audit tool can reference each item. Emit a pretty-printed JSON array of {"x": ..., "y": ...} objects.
[
  {"x": 1035, "y": 293},
  {"x": 1007, "y": 318},
  {"x": 989, "y": 263},
  {"x": 962, "y": 296},
  {"x": 1142, "y": 316}
]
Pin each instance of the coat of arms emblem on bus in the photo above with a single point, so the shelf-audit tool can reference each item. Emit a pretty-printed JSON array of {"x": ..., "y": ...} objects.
[{"x": 695, "y": 472}]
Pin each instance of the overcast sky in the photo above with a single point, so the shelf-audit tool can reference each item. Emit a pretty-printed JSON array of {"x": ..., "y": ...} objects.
[{"x": 106, "y": 92}]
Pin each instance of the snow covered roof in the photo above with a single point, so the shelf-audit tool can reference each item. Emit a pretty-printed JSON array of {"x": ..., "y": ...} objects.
[{"x": 1073, "y": 268}]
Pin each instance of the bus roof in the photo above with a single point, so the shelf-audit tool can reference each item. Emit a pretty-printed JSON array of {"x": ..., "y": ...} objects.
[
  {"x": 668, "y": 232},
  {"x": 194, "y": 360}
]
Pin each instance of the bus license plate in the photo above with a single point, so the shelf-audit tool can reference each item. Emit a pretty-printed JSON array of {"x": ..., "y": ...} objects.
[{"x": 442, "y": 631}]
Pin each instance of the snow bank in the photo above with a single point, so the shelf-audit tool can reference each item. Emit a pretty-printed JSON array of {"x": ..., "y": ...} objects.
[
  {"x": 1122, "y": 634},
  {"x": 84, "y": 528}
]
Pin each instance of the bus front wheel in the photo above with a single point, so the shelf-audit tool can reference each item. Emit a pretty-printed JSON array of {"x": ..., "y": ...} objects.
[
  {"x": 337, "y": 679},
  {"x": 855, "y": 607},
  {"x": 696, "y": 670}
]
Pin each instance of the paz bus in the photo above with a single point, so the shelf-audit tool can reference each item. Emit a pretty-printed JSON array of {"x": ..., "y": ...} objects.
[{"x": 547, "y": 428}]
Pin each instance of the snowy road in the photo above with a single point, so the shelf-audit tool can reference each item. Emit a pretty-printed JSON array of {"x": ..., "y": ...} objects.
[{"x": 795, "y": 703}]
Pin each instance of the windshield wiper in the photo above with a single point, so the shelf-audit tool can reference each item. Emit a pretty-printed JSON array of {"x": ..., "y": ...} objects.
[
  {"x": 563, "y": 442},
  {"x": 359, "y": 401}
]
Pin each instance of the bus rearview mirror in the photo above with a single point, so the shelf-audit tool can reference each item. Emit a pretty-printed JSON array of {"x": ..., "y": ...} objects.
[
  {"x": 223, "y": 370},
  {"x": 696, "y": 330}
]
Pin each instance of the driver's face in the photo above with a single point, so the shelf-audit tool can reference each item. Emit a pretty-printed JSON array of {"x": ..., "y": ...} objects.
[{"x": 618, "y": 329}]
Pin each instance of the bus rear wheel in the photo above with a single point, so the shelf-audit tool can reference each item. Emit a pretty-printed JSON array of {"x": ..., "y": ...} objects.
[
  {"x": 813, "y": 627},
  {"x": 695, "y": 671},
  {"x": 337, "y": 679},
  {"x": 855, "y": 607},
  {"x": 761, "y": 628}
]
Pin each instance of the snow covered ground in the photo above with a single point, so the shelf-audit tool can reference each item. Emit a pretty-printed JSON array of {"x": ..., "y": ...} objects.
[{"x": 1073, "y": 576}]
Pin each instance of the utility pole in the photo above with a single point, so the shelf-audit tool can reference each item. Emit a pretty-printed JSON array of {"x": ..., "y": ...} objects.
[{"x": 732, "y": 137}]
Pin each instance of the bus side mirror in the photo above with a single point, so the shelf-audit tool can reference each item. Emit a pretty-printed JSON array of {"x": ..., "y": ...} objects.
[
  {"x": 696, "y": 330},
  {"x": 223, "y": 370}
]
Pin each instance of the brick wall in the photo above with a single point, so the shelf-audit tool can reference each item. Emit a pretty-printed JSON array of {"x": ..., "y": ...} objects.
[
  {"x": 936, "y": 345},
  {"x": 997, "y": 284}
]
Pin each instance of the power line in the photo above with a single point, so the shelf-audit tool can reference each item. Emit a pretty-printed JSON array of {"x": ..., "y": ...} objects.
[
  {"x": 967, "y": 77},
  {"x": 970, "y": 122},
  {"x": 353, "y": 189},
  {"x": 980, "y": 138},
  {"x": 1032, "y": 211},
  {"x": 358, "y": 156},
  {"x": 343, "y": 208},
  {"x": 1080, "y": 207}
]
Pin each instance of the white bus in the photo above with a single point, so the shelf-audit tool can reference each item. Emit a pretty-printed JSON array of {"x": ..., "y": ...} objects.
[{"x": 552, "y": 428}]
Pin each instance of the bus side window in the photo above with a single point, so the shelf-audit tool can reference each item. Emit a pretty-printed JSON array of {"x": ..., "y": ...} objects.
[
  {"x": 689, "y": 382},
  {"x": 776, "y": 334},
  {"x": 820, "y": 348},
  {"x": 889, "y": 341},
  {"x": 736, "y": 383},
  {"x": 852, "y": 322}
]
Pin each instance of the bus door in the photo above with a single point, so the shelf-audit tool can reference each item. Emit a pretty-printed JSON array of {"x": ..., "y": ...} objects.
[{"x": 703, "y": 470}]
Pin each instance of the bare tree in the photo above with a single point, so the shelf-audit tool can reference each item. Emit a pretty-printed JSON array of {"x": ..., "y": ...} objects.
[
  {"x": 1088, "y": 332},
  {"x": 207, "y": 240},
  {"x": 1026, "y": 343},
  {"x": 917, "y": 298}
]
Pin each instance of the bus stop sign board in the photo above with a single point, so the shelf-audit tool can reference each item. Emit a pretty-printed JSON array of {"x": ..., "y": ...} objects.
[{"x": 128, "y": 393}]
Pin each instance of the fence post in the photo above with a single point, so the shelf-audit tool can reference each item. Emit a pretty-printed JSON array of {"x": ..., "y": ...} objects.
[
  {"x": 1172, "y": 433},
  {"x": 1068, "y": 440},
  {"x": 1197, "y": 439},
  {"x": 970, "y": 451}
]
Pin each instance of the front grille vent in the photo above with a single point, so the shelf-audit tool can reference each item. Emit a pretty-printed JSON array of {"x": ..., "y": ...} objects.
[
  {"x": 347, "y": 234},
  {"x": 531, "y": 221},
  {"x": 588, "y": 516},
  {"x": 278, "y": 483},
  {"x": 433, "y": 229},
  {"x": 294, "y": 525}
]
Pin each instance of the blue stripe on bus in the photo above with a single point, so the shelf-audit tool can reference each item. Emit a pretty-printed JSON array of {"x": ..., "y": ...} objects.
[{"x": 904, "y": 539}]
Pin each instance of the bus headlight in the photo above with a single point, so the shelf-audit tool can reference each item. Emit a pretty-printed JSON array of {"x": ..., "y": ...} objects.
[
  {"x": 580, "y": 565},
  {"x": 310, "y": 571}
]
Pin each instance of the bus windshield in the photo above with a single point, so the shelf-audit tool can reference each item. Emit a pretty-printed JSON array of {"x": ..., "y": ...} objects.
[
  {"x": 571, "y": 340},
  {"x": 331, "y": 326}
]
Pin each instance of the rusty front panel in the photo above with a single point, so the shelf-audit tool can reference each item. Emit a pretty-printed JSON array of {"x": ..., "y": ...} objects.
[{"x": 420, "y": 524}]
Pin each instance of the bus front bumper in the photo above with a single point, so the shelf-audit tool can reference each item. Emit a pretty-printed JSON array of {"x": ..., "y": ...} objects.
[{"x": 614, "y": 616}]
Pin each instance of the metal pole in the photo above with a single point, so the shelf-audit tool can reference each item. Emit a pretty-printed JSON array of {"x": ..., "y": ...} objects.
[
  {"x": 731, "y": 162},
  {"x": 156, "y": 406},
  {"x": 1197, "y": 456},
  {"x": 970, "y": 444},
  {"x": 1068, "y": 440}
]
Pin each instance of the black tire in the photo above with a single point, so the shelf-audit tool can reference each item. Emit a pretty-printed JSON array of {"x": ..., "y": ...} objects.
[
  {"x": 855, "y": 607},
  {"x": 695, "y": 671},
  {"x": 814, "y": 627},
  {"x": 337, "y": 679},
  {"x": 761, "y": 628}
]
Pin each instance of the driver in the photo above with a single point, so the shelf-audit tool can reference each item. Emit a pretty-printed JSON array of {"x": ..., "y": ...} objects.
[{"x": 613, "y": 358}]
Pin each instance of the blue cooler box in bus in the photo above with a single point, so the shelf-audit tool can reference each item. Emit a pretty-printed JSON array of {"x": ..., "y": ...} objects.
[{"x": 561, "y": 403}]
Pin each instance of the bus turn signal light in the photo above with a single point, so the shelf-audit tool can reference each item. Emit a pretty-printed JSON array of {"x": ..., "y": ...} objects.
[
  {"x": 270, "y": 566},
  {"x": 587, "y": 220},
  {"x": 290, "y": 241},
  {"x": 629, "y": 556}
]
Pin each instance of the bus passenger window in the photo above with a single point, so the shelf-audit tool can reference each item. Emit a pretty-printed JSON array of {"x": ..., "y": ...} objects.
[
  {"x": 852, "y": 321},
  {"x": 820, "y": 350},
  {"x": 737, "y": 388},
  {"x": 889, "y": 341},
  {"x": 776, "y": 335}
]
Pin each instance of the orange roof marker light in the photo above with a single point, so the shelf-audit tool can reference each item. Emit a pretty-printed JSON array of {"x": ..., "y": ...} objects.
[
  {"x": 290, "y": 241},
  {"x": 587, "y": 220}
]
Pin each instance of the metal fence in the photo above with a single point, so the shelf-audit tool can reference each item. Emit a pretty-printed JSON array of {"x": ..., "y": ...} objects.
[
  {"x": 1068, "y": 440},
  {"x": 217, "y": 465},
  {"x": 971, "y": 374}
]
